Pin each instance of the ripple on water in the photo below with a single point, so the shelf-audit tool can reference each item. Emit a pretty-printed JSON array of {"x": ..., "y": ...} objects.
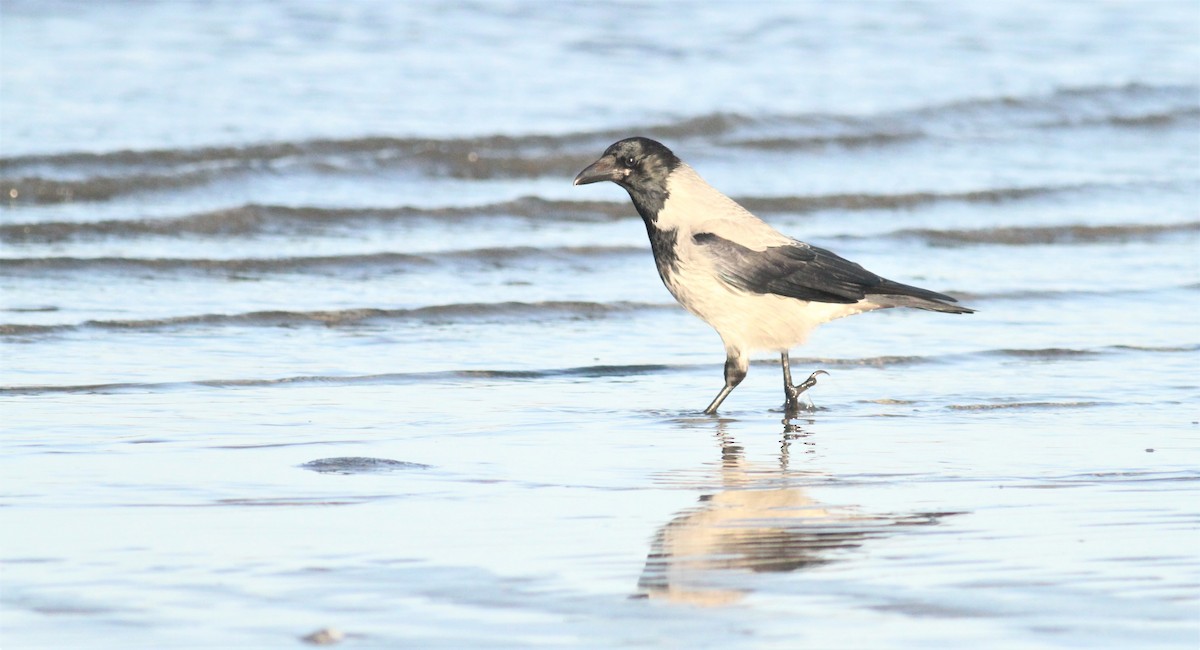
[{"x": 360, "y": 465}]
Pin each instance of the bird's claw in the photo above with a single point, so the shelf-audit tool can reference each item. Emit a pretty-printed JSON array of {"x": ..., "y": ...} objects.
[{"x": 793, "y": 392}]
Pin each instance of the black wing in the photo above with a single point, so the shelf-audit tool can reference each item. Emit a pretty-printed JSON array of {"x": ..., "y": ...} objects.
[{"x": 801, "y": 271}]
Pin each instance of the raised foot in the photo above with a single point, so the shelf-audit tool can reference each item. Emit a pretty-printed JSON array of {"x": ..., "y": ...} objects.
[{"x": 792, "y": 405}]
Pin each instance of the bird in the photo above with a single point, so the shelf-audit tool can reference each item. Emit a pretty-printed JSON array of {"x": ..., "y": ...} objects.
[{"x": 758, "y": 288}]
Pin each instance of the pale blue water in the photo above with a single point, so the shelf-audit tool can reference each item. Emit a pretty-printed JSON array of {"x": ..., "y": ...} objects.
[{"x": 236, "y": 238}]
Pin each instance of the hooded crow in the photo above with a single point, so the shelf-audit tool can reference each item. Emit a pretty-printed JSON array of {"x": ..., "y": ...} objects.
[{"x": 760, "y": 289}]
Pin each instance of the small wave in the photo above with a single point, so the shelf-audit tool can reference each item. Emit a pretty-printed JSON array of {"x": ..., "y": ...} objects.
[
  {"x": 1045, "y": 353},
  {"x": 75, "y": 176},
  {"x": 1151, "y": 119},
  {"x": 37, "y": 189},
  {"x": 35, "y": 309},
  {"x": 848, "y": 141},
  {"x": 876, "y": 362},
  {"x": 1118, "y": 477},
  {"x": 256, "y": 219},
  {"x": 1115, "y": 101},
  {"x": 478, "y": 150},
  {"x": 1158, "y": 348},
  {"x": 103, "y": 176},
  {"x": 265, "y": 220},
  {"x": 384, "y": 262},
  {"x": 1117, "y": 105},
  {"x": 288, "y": 502},
  {"x": 370, "y": 148},
  {"x": 346, "y": 317},
  {"x": 1055, "y": 294},
  {"x": 39, "y": 265},
  {"x": 1025, "y": 405},
  {"x": 1055, "y": 354},
  {"x": 905, "y": 200},
  {"x": 1149, "y": 476},
  {"x": 1041, "y": 235},
  {"x": 360, "y": 465},
  {"x": 390, "y": 378},
  {"x": 1167, "y": 118}
]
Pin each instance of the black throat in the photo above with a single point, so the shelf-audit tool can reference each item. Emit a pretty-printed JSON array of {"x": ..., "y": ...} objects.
[
  {"x": 662, "y": 241},
  {"x": 649, "y": 201},
  {"x": 662, "y": 244}
]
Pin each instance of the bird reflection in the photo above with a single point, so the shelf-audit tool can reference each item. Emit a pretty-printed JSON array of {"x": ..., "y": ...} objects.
[{"x": 758, "y": 520}]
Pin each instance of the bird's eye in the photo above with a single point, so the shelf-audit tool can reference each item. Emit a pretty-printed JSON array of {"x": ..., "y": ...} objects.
[{"x": 629, "y": 162}]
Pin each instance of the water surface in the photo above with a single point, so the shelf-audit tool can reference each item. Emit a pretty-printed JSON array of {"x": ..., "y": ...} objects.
[{"x": 303, "y": 326}]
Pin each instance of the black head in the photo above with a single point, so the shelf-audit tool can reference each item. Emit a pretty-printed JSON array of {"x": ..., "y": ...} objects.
[{"x": 640, "y": 165}]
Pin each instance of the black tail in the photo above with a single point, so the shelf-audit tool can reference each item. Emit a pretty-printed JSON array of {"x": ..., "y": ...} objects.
[{"x": 894, "y": 294}]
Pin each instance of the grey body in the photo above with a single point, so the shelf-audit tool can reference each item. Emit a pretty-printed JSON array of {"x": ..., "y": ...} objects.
[{"x": 760, "y": 289}]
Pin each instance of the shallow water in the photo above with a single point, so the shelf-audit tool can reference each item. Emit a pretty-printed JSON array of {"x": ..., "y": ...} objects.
[{"x": 304, "y": 326}]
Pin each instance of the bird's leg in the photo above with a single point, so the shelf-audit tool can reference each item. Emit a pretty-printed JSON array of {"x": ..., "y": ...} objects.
[
  {"x": 792, "y": 391},
  {"x": 736, "y": 367}
]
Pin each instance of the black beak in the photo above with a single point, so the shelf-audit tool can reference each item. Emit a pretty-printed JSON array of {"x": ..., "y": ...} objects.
[{"x": 604, "y": 169}]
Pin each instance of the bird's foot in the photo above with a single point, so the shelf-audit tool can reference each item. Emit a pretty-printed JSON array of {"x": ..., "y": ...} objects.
[{"x": 792, "y": 406}]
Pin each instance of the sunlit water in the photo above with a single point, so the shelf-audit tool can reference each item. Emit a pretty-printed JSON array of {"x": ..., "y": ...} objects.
[{"x": 304, "y": 327}]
